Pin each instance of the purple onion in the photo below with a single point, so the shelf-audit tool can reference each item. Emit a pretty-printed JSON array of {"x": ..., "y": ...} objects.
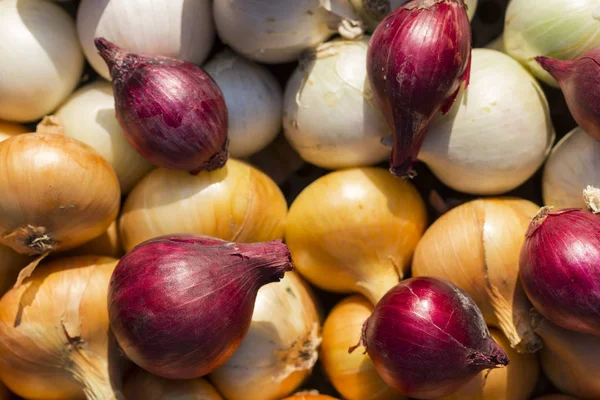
[
  {"x": 427, "y": 338},
  {"x": 180, "y": 305},
  {"x": 171, "y": 111},
  {"x": 418, "y": 57},
  {"x": 560, "y": 268}
]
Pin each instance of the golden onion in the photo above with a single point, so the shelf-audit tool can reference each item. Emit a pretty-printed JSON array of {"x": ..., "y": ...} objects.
[
  {"x": 142, "y": 385},
  {"x": 108, "y": 244}
]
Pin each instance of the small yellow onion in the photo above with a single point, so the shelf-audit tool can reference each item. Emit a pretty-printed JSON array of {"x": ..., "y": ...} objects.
[
  {"x": 142, "y": 385},
  {"x": 515, "y": 382},
  {"x": 56, "y": 342},
  {"x": 476, "y": 246},
  {"x": 237, "y": 203},
  {"x": 570, "y": 359},
  {"x": 310, "y": 395},
  {"x": 355, "y": 230},
  {"x": 108, "y": 244},
  {"x": 89, "y": 116},
  {"x": 9, "y": 129},
  {"x": 11, "y": 263},
  {"x": 352, "y": 374},
  {"x": 57, "y": 192},
  {"x": 280, "y": 349}
]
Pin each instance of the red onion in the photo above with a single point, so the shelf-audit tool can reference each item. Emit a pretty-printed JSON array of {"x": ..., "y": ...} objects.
[
  {"x": 579, "y": 80},
  {"x": 427, "y": 338},
  {"x": 560, "y": 267},
  {"x": 180, "y": 305},
  {"x": 171, "y": 111},
  {"x": 418, "y": 57}
]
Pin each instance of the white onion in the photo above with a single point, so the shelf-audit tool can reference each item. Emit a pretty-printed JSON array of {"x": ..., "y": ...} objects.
[
  {"x": 330, "y": 115},
  {"x": 89, "y": 116},
  {"x": 173, "y": 28},
  {"x": 498, "y": 132},
  {"x": 40, "y": 58},
  {"x": 253, "y": 97},
  {"x": 279, "y": 31},
  {"x": 573, "y": 165}
]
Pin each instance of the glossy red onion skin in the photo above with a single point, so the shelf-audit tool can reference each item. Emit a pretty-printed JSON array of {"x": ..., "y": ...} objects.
[
  {"x": 417, "y": 59},
  {"x": 560, "y": 268},
  {"x": 427, "y": 338},
  {"x": 180, "y": 305},
  {"x": 171, "y": 111},
  {"x": 579, "y": 80}
]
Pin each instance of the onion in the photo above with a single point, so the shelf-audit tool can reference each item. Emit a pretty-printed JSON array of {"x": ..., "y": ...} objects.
[
  {"x": 310, "y": 395},
  {"x": 142, "y": 385},
  {"x": 352, "y": 374},
  {"x": 41, "y": 58},
  {"x": 89, "y": 116},
  {"x": 476, "y": 246},
  {"x": 278, "y": 32},
  {"x": 56, "y": 342},
  {"x": 497, "y": 134},
  {"x": 573, "y": 164},
  {"x": 414, "y": 354},
  {"x": 515, "y": 382},
  {"x": 172, "y": 28},
  {"x": 570, "y": 360},
  {"x": 161, "y": 314},
  {"x": 562, "y": 29},
  {"x": 108, "y": 244},
  {"x": 355, "y": 230},
  {"x": 579, "y": 80},
  {"x": 11, "y": 264},
  {"x": 330, "y": 116},
  {"x": 236, "y": 203},
  {"x": 418, "y": 58},
  {"x": 253, "y": 98},
  {"x": 280, "y": 348},
  {"x": 9, "y": 129}
]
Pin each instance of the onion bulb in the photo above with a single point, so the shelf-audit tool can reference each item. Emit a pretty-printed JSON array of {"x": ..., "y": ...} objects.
[
  {"x": 58, "y": 192},
  {"x": 310, "y": 395},
  {"x": 278, "y": 32},
  {"x": 573, "y": 164},
  {"x": 280, "y": 349},
  {"x": 89, "y": 116},
  {"x": 9, "y": 129},
  {"x": 235, "y": 203},
  {"x": 171, "y": 28},
  {"x": 253, "y": 98},
  {"x": 11, "y": 263},
  {"x": 515, "y": 382},
  {"x": 56, "y": 341},
  {"x": 352, "y": 374},
  {"x": 497, "y": 134},
  {"x": 141, "y": 385},
  {"x": 355, "y": 230},
  {"x": 476, "y": 246},
  {"x": 562, "y": 29},
  {"x": 330, "y": 115},
  {"x": 108, "y": 244},
  {"x": 41, "y": 58},
  {"x": 570, "y": 359}
]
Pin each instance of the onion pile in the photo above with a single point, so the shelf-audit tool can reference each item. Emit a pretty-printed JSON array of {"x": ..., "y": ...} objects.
[{"x": 142, "y": 385}]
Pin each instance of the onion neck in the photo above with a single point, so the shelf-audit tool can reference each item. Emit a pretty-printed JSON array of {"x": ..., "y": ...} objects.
[
  {"x": 270, "y": 259},
  {"x": 50, "y": 125},
  {"x": 92, "y": 371},
  {"x": 559, "y": 69},
  {"x": 374, "y": 288},
  {"x": 538, "y": 220}
]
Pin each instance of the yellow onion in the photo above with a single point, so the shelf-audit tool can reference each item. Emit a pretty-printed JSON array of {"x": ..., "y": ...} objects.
[
  {"x": 108, "y": 244},
  {"x": 476, "y": 246},
  {"x": 515, "y": 382},
  {"x": 352, "y": 374},
  {"x": 142, "y": 385},
  {"x": 310, "y": 395},
  {"x": 56, "y": 342},
  {"x": 57, "y": 192},
  {"x": 570, "y": 359},
  {"x": 9, "y": 129},
  {"x": 280, "y": 349},
  {"x": 237, "y": 203},
  {"x": 11, "y": 263},
  {"x": 355, "y": 230}
]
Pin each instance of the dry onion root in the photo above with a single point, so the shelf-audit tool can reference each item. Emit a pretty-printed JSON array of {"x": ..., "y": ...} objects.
[{"x": 142, "y": 385}]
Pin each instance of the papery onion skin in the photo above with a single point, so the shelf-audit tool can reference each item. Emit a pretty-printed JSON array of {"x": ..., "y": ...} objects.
[
  {"x": 418, "y": 58},
  {"x": 579, "y": 81},
  {"x": 141, "y": 385},
  {"x": 158, "y": 304},
  {"x": 414, "y": 354},
  {"x": 238, "y": 203},
  {"x": 171, "y": 111},
  {"x": 560, "y": 268}
]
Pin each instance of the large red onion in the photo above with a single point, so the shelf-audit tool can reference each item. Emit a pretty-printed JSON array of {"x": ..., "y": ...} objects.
[
  {"x": 418, "y": 57},
  {"x": 180, "y": 305},
  {"x": 427, "y": 338},
  {"x": 171, "y": 111},
  {"x": 560, "y": 268},
  {"x": 579, "y": 80}
]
